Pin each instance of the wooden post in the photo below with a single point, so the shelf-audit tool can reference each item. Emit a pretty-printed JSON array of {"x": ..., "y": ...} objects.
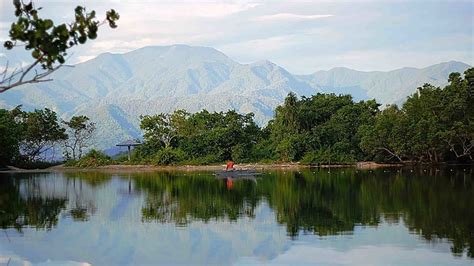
[{"x": 128, "y": 152}]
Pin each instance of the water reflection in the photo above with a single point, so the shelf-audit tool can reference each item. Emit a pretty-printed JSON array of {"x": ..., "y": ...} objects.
[
  {"x": 436, "y": 205},
  {"x": 23, "y": 204}
]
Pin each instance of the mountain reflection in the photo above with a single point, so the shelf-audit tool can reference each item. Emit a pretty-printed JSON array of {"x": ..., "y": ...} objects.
[{"x": 433, "y": 204}]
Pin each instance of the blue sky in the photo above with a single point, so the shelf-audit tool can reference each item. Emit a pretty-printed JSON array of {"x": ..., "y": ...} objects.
[{"x": 302, "y": 36}]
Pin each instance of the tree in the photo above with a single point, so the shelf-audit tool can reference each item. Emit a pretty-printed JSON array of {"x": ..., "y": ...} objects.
[
  {"x": 40, "y": 132},
  {"x": 386, "y": 135},
  {"x": 159, "y": 129},
  {"x": 324, "y": 124},
  {"x": 49, "y": 43},
  {"x": 205, "y": 137},
  {"x": 434, "y": 124},
  {"x": 79, "y": 130},
  {"x": 458, "y": 114},
  {"x": 9, "y": 137}
]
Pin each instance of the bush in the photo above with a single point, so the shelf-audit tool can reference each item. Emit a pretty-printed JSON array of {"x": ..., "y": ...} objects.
[
  {"x": 205, "y": 160},
  {"x": 24, "y": 164},
  {"x": 169, "y": 156},
  {"x": 93, "y": 158},
  {"x": 263, "y": 151},
  {"x": 291, "y": 148},
  {"x": 327, "y": 156},
  {"x": 240, "y": 153}
]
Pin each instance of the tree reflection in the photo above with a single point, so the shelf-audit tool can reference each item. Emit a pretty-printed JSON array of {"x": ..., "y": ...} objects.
[
  {"x": 183, "y": 198},
  {"x": 434, "y": 205},
  {"x": 431, "y": 203},
  {"x": 31, "y": 211}
]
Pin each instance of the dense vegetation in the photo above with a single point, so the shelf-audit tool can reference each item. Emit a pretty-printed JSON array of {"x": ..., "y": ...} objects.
[
  {"x": 433, "y": 125},
  {"x": 30, "y": 139}
]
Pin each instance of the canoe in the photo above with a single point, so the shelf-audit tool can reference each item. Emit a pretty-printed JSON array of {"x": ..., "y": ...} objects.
[{"x": 244, "y": 174}]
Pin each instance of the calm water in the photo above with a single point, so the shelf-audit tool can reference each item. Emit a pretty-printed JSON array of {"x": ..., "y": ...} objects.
[{"x": 386, "y": 217}]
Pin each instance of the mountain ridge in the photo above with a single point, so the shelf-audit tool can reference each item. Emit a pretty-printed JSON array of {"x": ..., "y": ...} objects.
[{"x": 115, "y": 89}]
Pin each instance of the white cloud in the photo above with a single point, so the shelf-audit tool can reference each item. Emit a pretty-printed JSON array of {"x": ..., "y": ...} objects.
[
  {"x": 259, "y": 46},
  {"x": 182, "y": 11},
  {"x": 302, "y": 36},
  {"x": 4, "y": 25},
  {"x": 290, "y": 17},
  {"x": 84, "y": 58}
]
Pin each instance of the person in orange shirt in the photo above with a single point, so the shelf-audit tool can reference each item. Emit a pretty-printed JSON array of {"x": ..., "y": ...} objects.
[{"x": 230, "y": 166}]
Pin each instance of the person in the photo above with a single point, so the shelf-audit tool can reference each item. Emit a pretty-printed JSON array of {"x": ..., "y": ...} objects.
[{"x": 230, "y": 166}]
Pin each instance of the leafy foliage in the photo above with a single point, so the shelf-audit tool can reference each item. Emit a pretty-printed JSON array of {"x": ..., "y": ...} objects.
[
  {"x": 169, "y": 155},
  {"x": 324, "y": 125},
  {"x": 93, "y": 158},
  {"x": 212, "y": 137},
  {"x": 10, "y": 137},
  {"x": 27, "y": 137},
  {"x": 433, "y": 125},
  {"x": 40, "y": 132},
  {"x": 80, "y": 131}
]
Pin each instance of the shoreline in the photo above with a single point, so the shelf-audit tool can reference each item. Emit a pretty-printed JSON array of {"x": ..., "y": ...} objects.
[{"x": 150, "y": 168}]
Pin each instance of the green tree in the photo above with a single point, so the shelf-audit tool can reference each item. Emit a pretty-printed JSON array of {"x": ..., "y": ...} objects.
[
  {"x": 10, "y": 137},
  {"x": 205, "y": 137},
  {"x": 49, "y": 43},
  {"x": 161, "y": 128},
  {"x": 458, "y": 114},
  {"x": 41, "y": 131},
  {"x": 79, "y": 131},
  {"x": 323, "y": 126},
  {"x": 386, "y": 135}
]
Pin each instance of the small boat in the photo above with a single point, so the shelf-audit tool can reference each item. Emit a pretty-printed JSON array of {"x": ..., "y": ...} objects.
[{"x": 237, "y": 174}]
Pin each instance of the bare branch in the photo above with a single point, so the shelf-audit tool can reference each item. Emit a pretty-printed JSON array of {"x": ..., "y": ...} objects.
[
  {"x": 393, "y": 154},
  {"x": 5, "y": 71},
  {"x": 6, "y": 81}
]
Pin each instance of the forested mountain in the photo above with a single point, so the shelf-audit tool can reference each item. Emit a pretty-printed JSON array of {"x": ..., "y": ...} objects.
[{"x": 115, "y": 89}]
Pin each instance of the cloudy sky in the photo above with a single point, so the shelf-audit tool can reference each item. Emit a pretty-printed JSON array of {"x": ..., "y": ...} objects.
[{"x": 302, "y": 36}]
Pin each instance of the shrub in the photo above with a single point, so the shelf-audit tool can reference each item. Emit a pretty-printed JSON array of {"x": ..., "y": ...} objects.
[
  {"x": 240, "y": 153},
  {"x": 291, "y": 148},
  {"x": 327, "y": 156},
  {"x": 93, "y": 158},
  {"x": 169, "y": 156},
  {"x": 263, "y": 151},
  {"x": 25, "y": 164},
  {"x": 205, "y": 160}
]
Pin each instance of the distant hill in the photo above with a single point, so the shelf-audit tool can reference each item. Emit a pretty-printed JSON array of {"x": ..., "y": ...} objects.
[
  {"x": 115, "y": 89},
  {"x": 387, "y": 87}
]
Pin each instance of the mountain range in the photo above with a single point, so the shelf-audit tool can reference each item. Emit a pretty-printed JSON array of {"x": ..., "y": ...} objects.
[{"x": 115, "y": 89}]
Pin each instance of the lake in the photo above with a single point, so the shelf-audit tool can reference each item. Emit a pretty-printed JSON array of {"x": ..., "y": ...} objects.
[{"x": 312, "y": 216}]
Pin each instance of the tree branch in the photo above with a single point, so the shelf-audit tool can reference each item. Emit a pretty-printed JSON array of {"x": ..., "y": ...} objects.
[
  {"x": 391, "y": 153},
  {"x": 6, "y": 81}
]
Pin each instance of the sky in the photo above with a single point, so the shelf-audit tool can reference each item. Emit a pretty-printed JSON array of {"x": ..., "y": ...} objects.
[{"x": 301, "y": 36}]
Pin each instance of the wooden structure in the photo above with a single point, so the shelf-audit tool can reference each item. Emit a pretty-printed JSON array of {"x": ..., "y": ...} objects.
[{"x": 129, "y": 144}]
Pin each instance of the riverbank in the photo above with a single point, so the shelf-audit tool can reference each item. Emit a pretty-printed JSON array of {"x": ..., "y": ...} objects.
[{"x": 216, "y": 167}]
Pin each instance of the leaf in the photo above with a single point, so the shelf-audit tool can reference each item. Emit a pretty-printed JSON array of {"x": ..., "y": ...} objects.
[
  {"x": 8, "y": 44},
  {"x": 35, "y": 54},
  {"x": 48, "y": 24}
]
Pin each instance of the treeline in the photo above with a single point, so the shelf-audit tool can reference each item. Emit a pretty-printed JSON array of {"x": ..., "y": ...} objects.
[
  {"x": 32, "y": 139},
  {"x": 433, "y": 125}
]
